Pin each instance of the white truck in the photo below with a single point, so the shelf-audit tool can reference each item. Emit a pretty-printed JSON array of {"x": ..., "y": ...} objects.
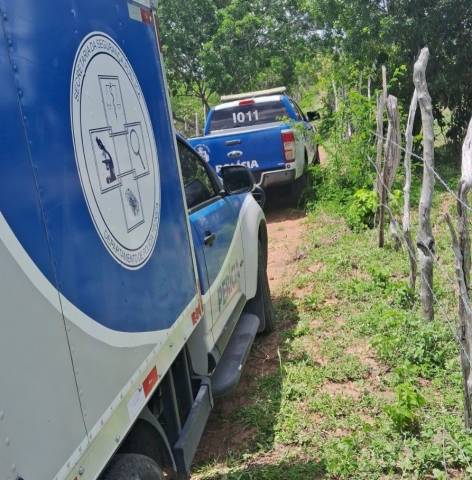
[{"x": 133, "y": 278}]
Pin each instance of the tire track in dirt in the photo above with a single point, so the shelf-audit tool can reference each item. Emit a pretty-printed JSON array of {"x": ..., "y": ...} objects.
[{"x": 222, "y": 435}]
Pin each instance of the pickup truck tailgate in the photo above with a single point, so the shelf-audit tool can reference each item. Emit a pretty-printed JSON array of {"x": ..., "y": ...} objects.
[{"x": 260, "y": 149}]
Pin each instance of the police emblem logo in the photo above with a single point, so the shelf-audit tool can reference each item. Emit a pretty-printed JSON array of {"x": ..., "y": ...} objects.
[{"x": 115, "y": 150}]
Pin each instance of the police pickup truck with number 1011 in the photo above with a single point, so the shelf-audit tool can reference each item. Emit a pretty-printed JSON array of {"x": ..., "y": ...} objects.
[
  {"x": 266, "y": 131},
  {"x": 133, "y": 277}
]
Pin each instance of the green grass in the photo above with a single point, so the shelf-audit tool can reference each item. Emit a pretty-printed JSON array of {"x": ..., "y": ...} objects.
[{"x": 365, "y": 389}]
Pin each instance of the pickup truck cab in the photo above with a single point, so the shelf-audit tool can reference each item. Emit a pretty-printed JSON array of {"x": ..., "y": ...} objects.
[
  {"x": 266, "y": 131},
  {"x": 133, "y": 278}
]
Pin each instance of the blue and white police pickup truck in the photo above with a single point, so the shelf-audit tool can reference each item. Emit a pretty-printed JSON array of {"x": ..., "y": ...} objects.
[
  {"x": 266, "y": 131},
  {"x": 133, "y": 278}
]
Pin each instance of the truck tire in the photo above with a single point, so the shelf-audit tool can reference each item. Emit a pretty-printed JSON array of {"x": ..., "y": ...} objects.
[
  {"x": 261, "y": 304},
  {"x": 297, "y": 189},
  {"x": 132, "y": 466}
]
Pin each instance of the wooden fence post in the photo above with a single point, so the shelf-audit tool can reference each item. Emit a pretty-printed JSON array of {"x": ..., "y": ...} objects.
[
  {"x": 425, "y": 240},
  {"x": 380, "y": 188},
  {"x": 407, "y": 191},
  {"x": 392, "y": 159},
  {"x": 461, "y": 247}
]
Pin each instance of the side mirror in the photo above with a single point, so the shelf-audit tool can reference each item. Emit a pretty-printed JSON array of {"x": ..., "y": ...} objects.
[
  {"x": 237, "y": 179},
  {"x": 312, "y": 116}
]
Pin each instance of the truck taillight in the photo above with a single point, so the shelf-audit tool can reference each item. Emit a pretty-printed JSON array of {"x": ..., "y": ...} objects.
[
  {"x": 288, "y": 140},
  {"x": 248, "y": 101}
]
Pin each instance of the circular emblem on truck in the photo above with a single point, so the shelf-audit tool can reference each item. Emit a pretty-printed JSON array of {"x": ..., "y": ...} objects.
[{"x": 115, "y": 150}]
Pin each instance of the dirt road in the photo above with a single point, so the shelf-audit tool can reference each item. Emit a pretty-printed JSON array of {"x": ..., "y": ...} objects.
[{"x": 222, "y": 436}]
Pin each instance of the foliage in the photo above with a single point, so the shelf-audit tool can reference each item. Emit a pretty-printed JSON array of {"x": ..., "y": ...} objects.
[
  {"x": 362, "y": 388},
  {"x": 226, "y": 46},
  {"x": 392, "y": 32},
  {"x": 362, "y": 209},
  {"x": 405, "y": 412},
  {"x": 258, "y": 44},
  {"x": 186, "y": 26},
  {"x": 348, "y": 152}
]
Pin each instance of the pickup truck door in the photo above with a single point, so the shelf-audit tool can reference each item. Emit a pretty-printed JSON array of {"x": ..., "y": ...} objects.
[{"x": 216, "y": 236}]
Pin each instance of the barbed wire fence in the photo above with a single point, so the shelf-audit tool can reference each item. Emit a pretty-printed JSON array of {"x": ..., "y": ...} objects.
[{"x": 461, "y": 326}]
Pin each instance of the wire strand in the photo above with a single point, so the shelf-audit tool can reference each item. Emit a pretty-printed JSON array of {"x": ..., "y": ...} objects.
[
  {"x": 452, "y": 324},
  {"x": 436, "y": 174}
]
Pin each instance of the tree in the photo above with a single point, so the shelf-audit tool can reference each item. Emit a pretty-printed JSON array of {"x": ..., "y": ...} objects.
[
  {"x": 258, "y": 44},
  {"x": 374, "y": 33},
  {"x": 186, "y": 26},
  {"x": 223, "y": 46}
]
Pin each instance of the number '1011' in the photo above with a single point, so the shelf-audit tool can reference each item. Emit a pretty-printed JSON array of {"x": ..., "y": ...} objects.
[{"x": 244, "y": 117}]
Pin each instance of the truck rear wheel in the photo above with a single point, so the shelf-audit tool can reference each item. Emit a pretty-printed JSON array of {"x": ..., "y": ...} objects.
[
  {"x": 261, "y": 304},
  {"x": 133, "y": 467}
]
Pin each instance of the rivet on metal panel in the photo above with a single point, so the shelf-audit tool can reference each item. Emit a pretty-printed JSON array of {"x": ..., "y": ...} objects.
[
  {"x": 5, "y": 17},
  {"x": 15, "y": 67},
  {"x": 20, "y": 92},
  {"x": 10, "y": 42},
  {"x": 81, "y": 471},
  {"x": 117, "y": 439},
  {"x": 13, "y": 468},
  {"x": 7, "y": 442}
]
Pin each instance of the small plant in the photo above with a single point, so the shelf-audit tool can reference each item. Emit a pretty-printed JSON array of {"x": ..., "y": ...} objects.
[
  {"x": 341, "y": 457},
  {"x": 404, "y": 296},
  {"x": 361, "y": 211},
  {"x": 405, "y": 412}
]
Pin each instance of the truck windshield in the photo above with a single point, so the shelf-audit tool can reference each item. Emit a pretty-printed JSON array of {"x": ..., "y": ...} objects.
[{"x": 248, "y": 115}]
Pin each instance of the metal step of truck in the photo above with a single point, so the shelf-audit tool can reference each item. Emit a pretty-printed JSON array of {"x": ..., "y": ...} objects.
[{"x": 228, "y": 372}]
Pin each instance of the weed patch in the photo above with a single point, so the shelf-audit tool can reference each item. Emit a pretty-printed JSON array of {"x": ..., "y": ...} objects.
[{"x": 364, "y": 389}]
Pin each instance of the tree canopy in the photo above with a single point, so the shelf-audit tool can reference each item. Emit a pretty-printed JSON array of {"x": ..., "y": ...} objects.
[{"x": 215, "y": 47}]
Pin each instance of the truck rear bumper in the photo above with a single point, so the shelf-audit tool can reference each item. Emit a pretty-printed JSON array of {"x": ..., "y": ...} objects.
[{"x": 277, "y": 177}]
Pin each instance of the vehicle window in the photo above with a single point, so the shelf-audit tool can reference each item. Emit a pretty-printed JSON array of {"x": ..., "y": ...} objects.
[
  {"x": 198, "y": 185},
  {"x": 248, "y": 115}
]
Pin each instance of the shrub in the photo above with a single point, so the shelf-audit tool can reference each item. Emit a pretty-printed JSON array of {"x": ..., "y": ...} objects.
[
  {"x": 405, "y": 412},
  {"x": 360, "y": 213}
]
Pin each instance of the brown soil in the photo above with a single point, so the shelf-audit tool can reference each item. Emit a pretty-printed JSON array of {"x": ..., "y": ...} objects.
[
  {"x": 285, "y": 234},
  {"x": 323, "y": 155}
]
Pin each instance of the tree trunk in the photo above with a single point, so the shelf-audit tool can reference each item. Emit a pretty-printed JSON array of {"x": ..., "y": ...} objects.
[
  {"x": 407, "y": 191},
  {"x": 336, "y": 99},
  {"x": 425, "y": 240},
  {"x": 197, "y": 126}
]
